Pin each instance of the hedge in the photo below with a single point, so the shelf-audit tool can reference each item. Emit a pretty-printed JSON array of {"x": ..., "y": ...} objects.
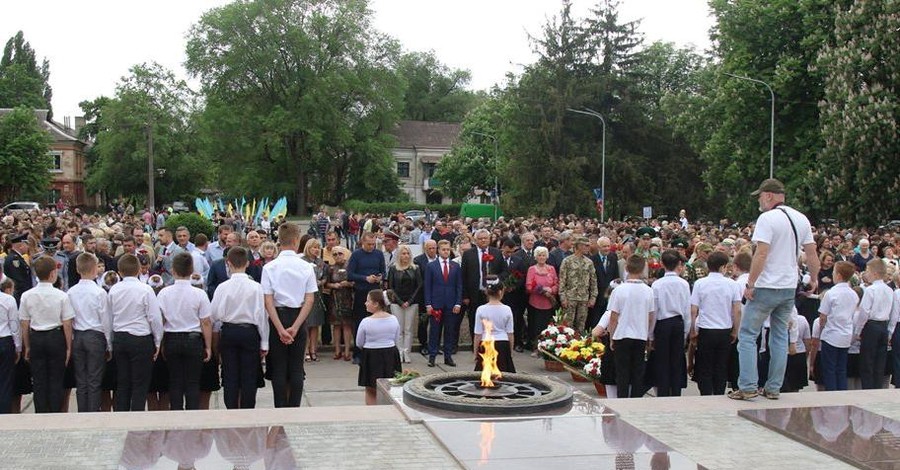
[
  {"x": 194, "y": 222},
  {"x": 384, "y": 208}
]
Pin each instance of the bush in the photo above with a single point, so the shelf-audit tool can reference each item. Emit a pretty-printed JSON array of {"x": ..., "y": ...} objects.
[
  {"x": 194, "y": 222},
  {"x": 384, "y": 208}
]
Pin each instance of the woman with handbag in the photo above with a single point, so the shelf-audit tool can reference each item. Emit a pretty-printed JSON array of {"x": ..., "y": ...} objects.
[{"x": 542, "y": 285}]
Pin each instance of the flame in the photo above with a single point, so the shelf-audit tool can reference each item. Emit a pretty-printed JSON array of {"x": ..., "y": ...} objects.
[
  {"x": 487, "y": 441},
  {"x": 489, "y": 368}
]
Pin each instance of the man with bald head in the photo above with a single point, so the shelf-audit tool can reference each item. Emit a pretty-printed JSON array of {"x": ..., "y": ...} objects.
[{"x": 606, "y": 264}]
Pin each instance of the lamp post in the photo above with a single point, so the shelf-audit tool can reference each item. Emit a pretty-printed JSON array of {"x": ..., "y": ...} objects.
[
  {"x": 772, "y": 123},
  {"x": 151, "y": 196},
  {"x": 496, "y": 157},
  {"x": 591, "y": 112}
]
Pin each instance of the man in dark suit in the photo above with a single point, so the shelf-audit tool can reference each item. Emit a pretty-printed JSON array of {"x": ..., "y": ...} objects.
[
  {"x": 515, "y": 296},
  {"x": 443, "y": 302},
  {"x": 428, "y": 255},
  {"x": 218, "y": 271},
  {"x": 606, "y": 263},
  {"x": 17, "y": 268},
  {"x": 474, "y": 271}
]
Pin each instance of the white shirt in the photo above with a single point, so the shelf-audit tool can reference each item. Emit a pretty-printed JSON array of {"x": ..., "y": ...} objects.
[
  {"x": 45, "y": 306},
  {"x": 183, "y": 306},
  {"x": 633, "y": 301},
  {"x": 375, "y": 333},
  {"x": 816, "y": 332},
  {"x": 799, "y": 331},
  {"x": 201, "y": 265},
  {"x": 672, "y": 295},
  {"x": 240, "y": 300},
  {"x": 895, "y": 313},
  {"x": 875, "y": 305},
  {"x": 91, "y": 305},
  {"x": 135, "y": 309},
  {"x": 773, "y": 228},
  {"x": 501, "y": 320},
  {"x": 714, "y": 296},
  {"x": 9, "y": 319},
  {"x": 838, "y": 306},
  {"x": 288, "y": 278}
]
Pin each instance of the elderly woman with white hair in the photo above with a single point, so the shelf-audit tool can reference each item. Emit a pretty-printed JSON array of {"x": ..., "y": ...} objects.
[{"x": 542, "y": 285}]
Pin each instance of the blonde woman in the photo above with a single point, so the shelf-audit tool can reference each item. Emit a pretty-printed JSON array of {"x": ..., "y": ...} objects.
[
  {"x": 268, "y": 251},
  {"x": 312, "y": 253},
  {"x": 405, "y": 281}
]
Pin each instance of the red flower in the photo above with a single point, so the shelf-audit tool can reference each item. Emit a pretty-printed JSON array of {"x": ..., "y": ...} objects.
[
  {"x": 258, "y": 262},
  {"x": 518, "y": 274},
  {"x": 487, "y": 258},
  {"x": 436, "y": 313}
]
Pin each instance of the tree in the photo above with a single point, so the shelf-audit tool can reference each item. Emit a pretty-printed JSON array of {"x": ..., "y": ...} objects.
[
  {"x": 301, "y": 96},
  {"x": 434, "y": 92},
  {"x": 22, "y": 81},
  {"x": 149, "y": 103},
  {"x": 473, "y": 162},
  {"x": 857, "y": 173},
  {"x": 25, "y": 160}
]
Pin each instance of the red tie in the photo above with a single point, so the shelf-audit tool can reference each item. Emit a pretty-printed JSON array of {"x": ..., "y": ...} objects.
[{"x": 446, "y": 271}]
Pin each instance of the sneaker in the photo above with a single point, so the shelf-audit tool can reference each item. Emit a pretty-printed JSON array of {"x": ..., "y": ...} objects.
[
  {"x": 743, "y": 394},
  {"x": 771, "y": 395}
]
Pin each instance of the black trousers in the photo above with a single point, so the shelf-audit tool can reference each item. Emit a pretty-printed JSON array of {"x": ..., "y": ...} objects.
[
  {"x": 713, "y": 353},
  {"x": 422, "y": 329},
  {"x": 872, "y": 354},
  {"x": 239, "y": 347},
  {"x": 538, "y": 319},
  {"x": 669, "y": 366},
  {"x": 285, "y": 361},
  {"x": 477, "y": 300},
  {"x": 134, "y": 369},
  {"x": 517, "y": 303},
  {"x": 48, "y": 368},
  {"x": 629, "y": 360},
  {"x": 595, "y": 313},
  {"x": 89, "y": 358},
  {"x": 7, "y": 373},
  {"x": 184, "y": 356}
]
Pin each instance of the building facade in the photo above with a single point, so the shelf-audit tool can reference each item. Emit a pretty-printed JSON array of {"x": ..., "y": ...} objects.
[{"x": 420, "y": 147}]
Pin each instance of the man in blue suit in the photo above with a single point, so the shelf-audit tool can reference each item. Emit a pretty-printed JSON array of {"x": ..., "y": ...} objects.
[{"x": 443, "y": 294}]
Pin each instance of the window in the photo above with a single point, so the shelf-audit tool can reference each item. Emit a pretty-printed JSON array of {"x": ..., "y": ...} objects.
[
  {"x": 429, "y": 169},
  {"x": 57, "y": 162},
  {"x": 403, "y": 169}
]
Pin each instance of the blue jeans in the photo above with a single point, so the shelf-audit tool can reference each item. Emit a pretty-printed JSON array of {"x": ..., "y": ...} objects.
[
  {"x": 834, "y": 367},
  {"x": 776, "y": 305}
]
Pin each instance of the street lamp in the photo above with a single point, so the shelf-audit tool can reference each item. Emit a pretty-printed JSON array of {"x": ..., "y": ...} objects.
[
  {"x": 772, "y": 124},
  {"x": 496, "y": 157},
  {"x": 591, "y": 112},
  {"x": 151, "y": 196}
]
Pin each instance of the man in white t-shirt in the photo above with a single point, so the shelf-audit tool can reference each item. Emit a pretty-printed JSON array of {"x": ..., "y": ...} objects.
[{"x": 780, "y": 233}]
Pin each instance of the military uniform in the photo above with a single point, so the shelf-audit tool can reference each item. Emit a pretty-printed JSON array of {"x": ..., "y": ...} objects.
[
  {"x": 62, "y": 262},
  {"x": 18, "y": 269},
  {"x": 694, "y": 270},
  {"x": 577, "y": 288}
]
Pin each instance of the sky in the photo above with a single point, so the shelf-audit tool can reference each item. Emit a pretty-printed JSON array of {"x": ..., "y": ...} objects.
[{"x": 91, "y": 44}]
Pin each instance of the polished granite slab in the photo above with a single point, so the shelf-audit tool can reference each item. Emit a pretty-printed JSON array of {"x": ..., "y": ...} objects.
[
  {"x": 244, "y": 448},
  {"x": 852, "y": 434}
]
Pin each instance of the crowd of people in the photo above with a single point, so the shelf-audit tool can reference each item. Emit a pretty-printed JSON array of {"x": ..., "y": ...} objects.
[{"x": 133, "y": 314}]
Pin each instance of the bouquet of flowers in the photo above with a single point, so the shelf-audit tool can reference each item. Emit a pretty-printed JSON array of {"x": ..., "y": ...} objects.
[
  {"x": 592, "y": 368},
  {"x": 512, "y": 281},
  {"x": 580, "y": 352},
  {"x": 555, "y": 339}
]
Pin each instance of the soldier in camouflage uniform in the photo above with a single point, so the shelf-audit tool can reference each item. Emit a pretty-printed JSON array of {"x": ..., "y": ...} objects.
[
  {"x": 577, "y": 285},
  {"x": 697, "y": 268}
]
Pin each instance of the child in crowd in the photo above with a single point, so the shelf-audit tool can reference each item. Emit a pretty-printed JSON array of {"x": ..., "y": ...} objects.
[
  {"x": 715, "y": 319},
  {"x": 93, "y": 333},
  {"x": 631, "y": 308},
  {"x": 377, "y": 337},
  {"x": 836, "y": 323},
  {"x": 10, "y": 345},
  {"x": 501, "y": 319}
]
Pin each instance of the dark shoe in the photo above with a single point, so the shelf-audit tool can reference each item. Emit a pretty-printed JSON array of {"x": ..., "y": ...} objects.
[
  {"x": 519, "y": 348},
  {"x": 743, "y": 394},
  {"x": 449, "y": 362},
  {"x": 430, "y": 362},
  {"x": 356, "y": 360},
  {"x": 424, "y": 351}
]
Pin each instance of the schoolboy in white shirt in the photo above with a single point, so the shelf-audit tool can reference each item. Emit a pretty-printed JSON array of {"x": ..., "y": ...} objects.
[
  {"x": 93, "y": 331},
  {"x": 631, "y": 307},
  {"x": 836, "y": 322},
  {"x": 872, "y": 325},
  {"x": 187, "y": 326},
  {"x": 137, "y": 335},
  {"x": 238, "y": 304},
  {"x": 10, "y": 344},
  {"x": 672, "y": 295}
]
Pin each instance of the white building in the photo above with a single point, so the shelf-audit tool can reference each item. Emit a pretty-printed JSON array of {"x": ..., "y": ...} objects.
[{"x": 420, "y": 146}]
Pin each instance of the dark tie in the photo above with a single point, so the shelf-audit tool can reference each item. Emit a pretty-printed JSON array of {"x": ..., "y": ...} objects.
[
  {"x": 603, "y": 262},
  {"x": 446, "y": 271}
]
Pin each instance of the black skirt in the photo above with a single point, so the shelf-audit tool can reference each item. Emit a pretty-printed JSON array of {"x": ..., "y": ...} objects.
[
  {"x": 504, "y": 357},
  {"x": 608, "y": 364},
  {"x": 796, "y": 373},
  {"x": 23, "y": 384},
  {"x": 209, "y": 375},
  {"x": 378, "y": 363},
  {"x": 159, "y": 380}
]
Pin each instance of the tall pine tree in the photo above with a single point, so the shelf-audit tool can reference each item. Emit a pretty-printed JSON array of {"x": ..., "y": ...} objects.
[{"x": 22, "y": 81}]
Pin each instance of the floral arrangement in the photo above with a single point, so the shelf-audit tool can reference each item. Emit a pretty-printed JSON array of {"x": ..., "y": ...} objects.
[
  {"x": 555, "y": 339},
  {"x": 581, "y": 351},
  {"x": 592, "y": 368},
  {"x": 512, "y": 281}
]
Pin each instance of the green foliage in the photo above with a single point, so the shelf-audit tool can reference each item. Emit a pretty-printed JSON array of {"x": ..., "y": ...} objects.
[
  {"x": 857, "y": 174},
  {"x": 473, "y": 162},
  {"x": 150, "y": 102},
  {"x": 434, "y": 92},
  {"x": 353, "y": 205},
  {"x": 300, "y": 97},
  {"x": 25, "y": 161},
  {"x": 195, "y": 223},
  {"x": 22, "y": 81}
]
